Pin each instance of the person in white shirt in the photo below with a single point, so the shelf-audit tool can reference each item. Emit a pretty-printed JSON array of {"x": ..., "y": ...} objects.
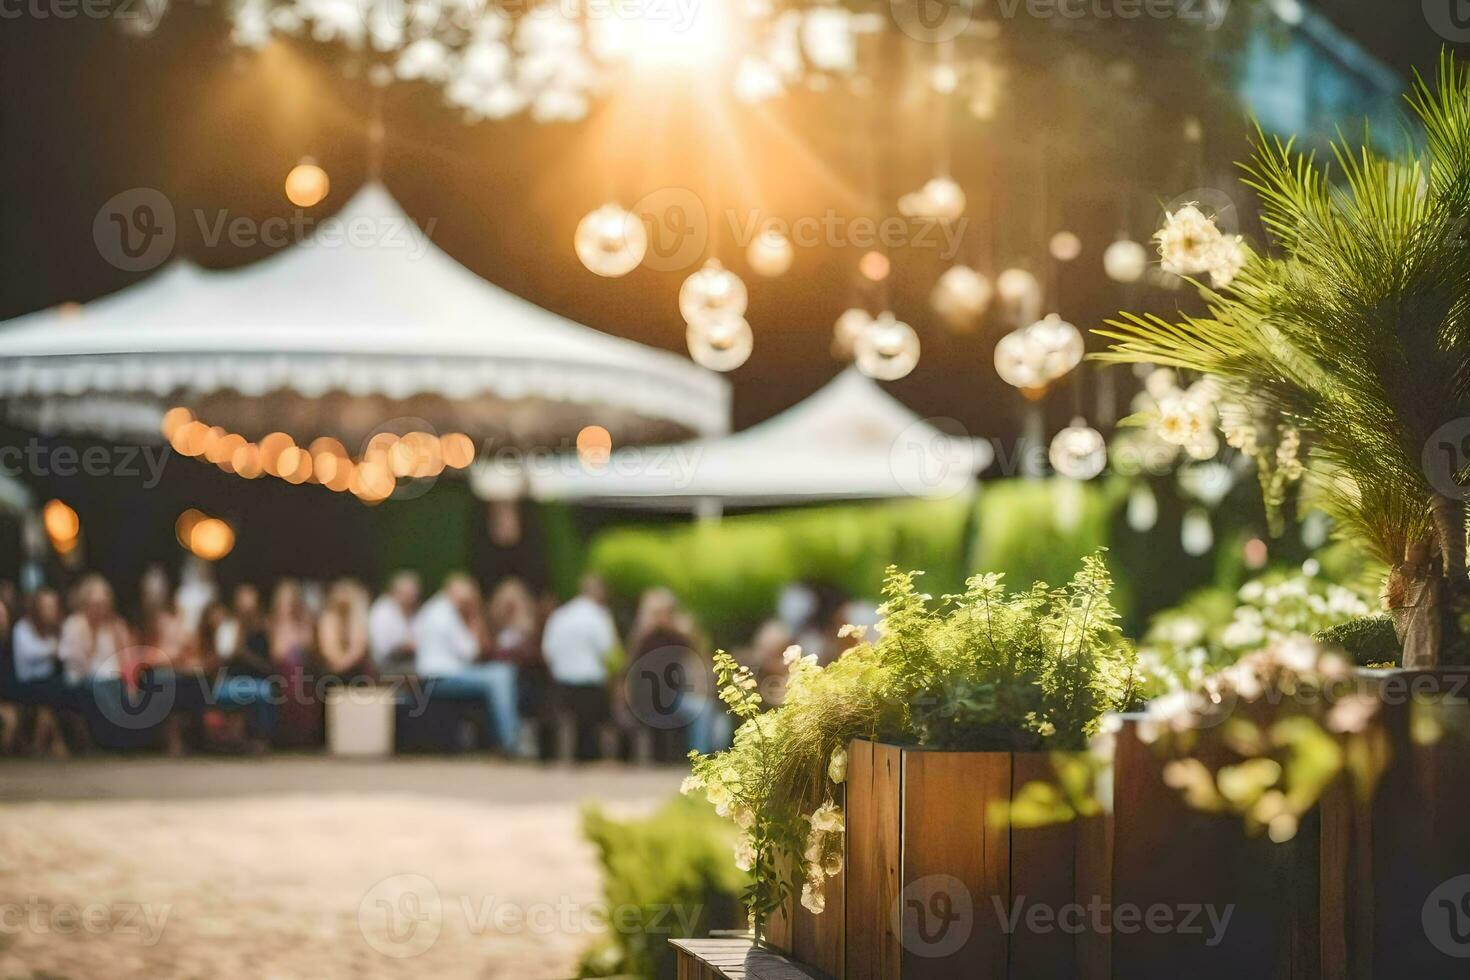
[
  {"x": 449, "y": 648},
  {"x": 579, "y": 640},
  {"x": 39, "y": 687},
  {"x": 36, "y": 640},
  {"x": 390, "y": 622}
]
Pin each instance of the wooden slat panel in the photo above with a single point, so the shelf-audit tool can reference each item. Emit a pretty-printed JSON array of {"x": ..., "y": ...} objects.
[
  {"x": 874, "y": 791},
  {"x": 1165, "y": 853},
  {"x": 952, "y": 858},
  {"x": 1416, "y": 837},
  {"x": 1043, "y": 872},
  {"x": 888, "y": 816},
  {"x": 778, "y": 931},
  {"x": 1095, "y": 884},
  {"x": 862, "y": 937},
  {"x": 818, "y": 940}
]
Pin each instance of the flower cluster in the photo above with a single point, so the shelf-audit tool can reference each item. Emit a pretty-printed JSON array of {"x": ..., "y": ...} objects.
[
  {"x": 1289, "y": 720},
  {"x": 1182, "y": 648},
  {"x": 1190, "y": 244},
  {"x": 822, "y": 857}
]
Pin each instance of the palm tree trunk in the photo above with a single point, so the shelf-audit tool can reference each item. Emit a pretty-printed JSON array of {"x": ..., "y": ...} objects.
[{"x": 1428, "y": 591}]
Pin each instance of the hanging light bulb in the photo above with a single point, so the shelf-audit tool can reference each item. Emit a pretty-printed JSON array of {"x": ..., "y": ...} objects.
[
  {"x": 1018, "y": 362},
  {"x": 1065, "y": 246},
  {"x": 1143, "y": 508},
  {"x": 1019, "y": 291},
  {"x": 960, "y": 297},
  {"x": 713, "y": 291},
  {"x": 610, "y": 241},
  {"x": 1059, "y": 344},
  {"x": 845, "y": 332},
  {"x": 1078, "y": 451},
  {"x": 943, "y": 199},
  {"x": 1196, "y": 535},
  {"x": 770, "y": 253},
  {"x": 1125, "y": 261},
  {"x": 307, "y": 184},
  {"x": 888, "y": 349},
  {"x": 721, "y": 342},
  {"x": 874, "y": 266}
]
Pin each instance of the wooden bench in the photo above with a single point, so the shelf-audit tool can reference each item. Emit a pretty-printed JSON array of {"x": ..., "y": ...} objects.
[{"x": 735, "y": 959}]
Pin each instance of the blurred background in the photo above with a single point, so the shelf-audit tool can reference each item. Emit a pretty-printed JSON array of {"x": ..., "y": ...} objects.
[{"x": 542, "y": 349}]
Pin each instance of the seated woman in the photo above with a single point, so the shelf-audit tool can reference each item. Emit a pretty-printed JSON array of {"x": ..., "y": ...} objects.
[
  {"x": 235, "y": 690},
  {"x": 95, "y": 652},
  {"x": 38, "y": 685},
  {"x": 673, "y": 686},
  {"x": 290, "y": 631},
  {"x": 514, "y": 636},
  {"x": 342, "y": 632},
  {"x": 167, "y": 655}
]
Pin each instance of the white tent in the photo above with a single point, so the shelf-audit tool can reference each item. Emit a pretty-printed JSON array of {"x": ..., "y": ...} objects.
[
  {"x": 849, "y": 440},
  {"x": 364, "y": 310}
]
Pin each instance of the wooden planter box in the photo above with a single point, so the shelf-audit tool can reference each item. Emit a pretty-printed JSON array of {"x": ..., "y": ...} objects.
[{"x": 929, "y": 886}]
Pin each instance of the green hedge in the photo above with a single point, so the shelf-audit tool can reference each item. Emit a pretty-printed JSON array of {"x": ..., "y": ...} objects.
[{"x": 669, "y": 876}]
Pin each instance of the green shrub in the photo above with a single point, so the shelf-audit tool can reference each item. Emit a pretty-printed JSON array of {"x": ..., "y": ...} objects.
[
  {"x": 668, "y": 876},
  {"x": 984, "y": 669}
]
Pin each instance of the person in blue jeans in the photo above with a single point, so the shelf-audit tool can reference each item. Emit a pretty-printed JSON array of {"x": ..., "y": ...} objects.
[{"x": 449, "y": 648}]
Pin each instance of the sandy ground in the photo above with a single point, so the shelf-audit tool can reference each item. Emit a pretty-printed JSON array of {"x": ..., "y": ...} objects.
[{"x": 311, "y": 868}]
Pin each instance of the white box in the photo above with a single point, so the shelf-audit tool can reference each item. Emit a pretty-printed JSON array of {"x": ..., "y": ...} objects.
[{"x": 360, "y": 721}]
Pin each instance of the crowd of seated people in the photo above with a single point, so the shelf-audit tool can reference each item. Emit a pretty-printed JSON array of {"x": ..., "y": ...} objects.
[{"x": 244, "y": 673}]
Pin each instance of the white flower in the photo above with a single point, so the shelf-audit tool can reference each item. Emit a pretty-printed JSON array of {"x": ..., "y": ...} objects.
[
  {"x": 718, "y": 794},
  {"x": 837, "y": 765},
  {"x": 827, "y": 817},
  {"x": 791, "y": 655},
  {"x": 745, "y": 854},
  {"x": 812, "y": 899},
  {"x": 691, "y": 785},
  {"x": 744, "y": 817},
  {"x": 1242, "y": 633},
  {"x": 861, "y": 632},
  {"x": 833, "y": 865},
  {"x": 1185, "y": 418},
  {"x": 1188, "y": 242},
  {"x": 1229, "y": 258}
]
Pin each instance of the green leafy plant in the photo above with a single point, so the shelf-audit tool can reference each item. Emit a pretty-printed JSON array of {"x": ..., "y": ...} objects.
[
  {"x": 1353, "y": 338},
  {"x": 983, "y": 669},
  {"x": 665, "y": 876}
]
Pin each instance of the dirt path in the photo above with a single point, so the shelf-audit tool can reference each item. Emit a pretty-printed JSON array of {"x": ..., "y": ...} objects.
[{"x": 237, "y": 869}]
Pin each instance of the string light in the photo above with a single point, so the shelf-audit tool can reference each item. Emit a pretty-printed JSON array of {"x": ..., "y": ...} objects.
[
  {"x": 1078, "y": 451},
  {"x": 720, "y": 343},
  {"x": 594, "y": 446},
  {"x": 770, "y": 253},
  {"x": 211, "y": 539},
  {"x": 307, "y": 184},
  {"x": 1065, "y": 246},
  {"x": 874, "y": 266},
  {"x": 712, "y": 291},
  {"x": 846, "y": 330},
  {"x": 61, "y": 523},
  {"x": 960, "y": 297},
  {"x": 1125, "y": 261},
  {"x": 610, "y": 241},
  {"x": 888, "y": 349}
]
